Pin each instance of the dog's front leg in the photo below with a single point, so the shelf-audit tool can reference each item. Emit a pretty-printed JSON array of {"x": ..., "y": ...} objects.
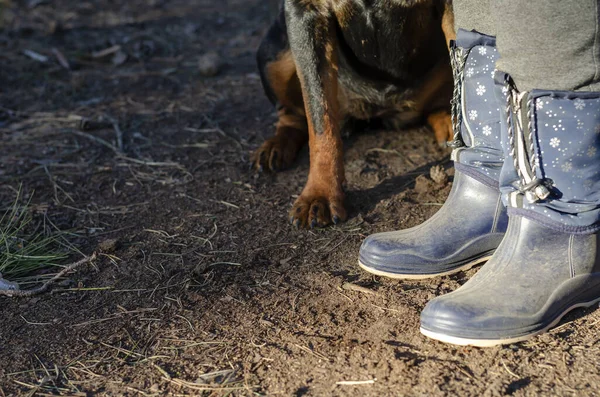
[{"x": 312, "y": 36}]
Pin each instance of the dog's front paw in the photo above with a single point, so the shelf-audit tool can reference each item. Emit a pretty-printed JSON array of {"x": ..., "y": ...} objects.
[
  {"x": 318, "y": 210},
  {"x": 275, "y": 154}
]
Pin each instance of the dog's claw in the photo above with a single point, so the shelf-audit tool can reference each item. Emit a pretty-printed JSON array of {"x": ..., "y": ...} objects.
[
  {"x": 316, "y": 212},
  {"x": 274, "y": 161}
]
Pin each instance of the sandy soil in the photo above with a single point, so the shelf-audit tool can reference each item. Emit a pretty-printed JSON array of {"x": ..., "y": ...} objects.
[{"x": 201, "y": 286}]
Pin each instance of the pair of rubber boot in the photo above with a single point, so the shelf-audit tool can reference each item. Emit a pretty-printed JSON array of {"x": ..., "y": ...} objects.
[{"x": 525, "y": 198}]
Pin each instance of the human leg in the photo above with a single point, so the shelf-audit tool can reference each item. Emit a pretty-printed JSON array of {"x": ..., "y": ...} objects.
[{"x": 549, "y": 260}]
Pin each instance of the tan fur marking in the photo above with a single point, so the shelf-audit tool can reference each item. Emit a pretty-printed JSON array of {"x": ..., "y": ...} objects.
[
  {"x": 291, "y": 134},
  {"x": 436, "y": 91},
  {"x": 287, "y": 120},
  {"x": 344, "y": 11},
  {"x": 284, "y": 81},
  {"x": 441, "y": 124},
  {"x": 448, "y": 23}
]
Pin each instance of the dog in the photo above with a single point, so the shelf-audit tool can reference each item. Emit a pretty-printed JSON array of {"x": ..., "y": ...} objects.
[{"x": 324, "y": 62}]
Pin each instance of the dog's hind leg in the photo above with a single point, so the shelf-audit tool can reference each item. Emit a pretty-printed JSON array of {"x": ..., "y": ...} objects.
[
  {"x": 312, "y": 35},
  {"x": 440, "y": 120},
  {"x": 448, "y": 22},
  {"x": 434, "y": 96},
  {"x": 282, "y": 86}
]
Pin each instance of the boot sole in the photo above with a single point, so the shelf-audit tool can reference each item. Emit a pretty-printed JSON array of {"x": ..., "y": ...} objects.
[
  {"x": 455, "y": 340},
  {"x": 464, "y": 267}
]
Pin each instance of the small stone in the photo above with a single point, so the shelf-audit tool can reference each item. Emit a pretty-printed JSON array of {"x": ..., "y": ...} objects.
[
  {"x": 438, "y": 175},
  {"x": 209, "y": 64},
  {"x": 6, "y": 285},
  {"x": 108, "y": 246},
  {"x": 119, "y": 58},
  {"x": 423, "y": 184},
  {"x": 65, "y": 283}
]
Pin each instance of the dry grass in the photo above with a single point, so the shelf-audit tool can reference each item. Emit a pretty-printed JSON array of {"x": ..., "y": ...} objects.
[{"x": 28, "y": 246}]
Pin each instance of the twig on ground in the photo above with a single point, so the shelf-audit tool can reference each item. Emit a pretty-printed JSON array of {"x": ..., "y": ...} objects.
[
  {"x": 36, "y": 56},
  {"x": 205, "y": 130},
  {"x": 508, "y": 370},
  {"x": 224, "y": 263},
  {"x": 34, "y": 323},
  {"x": 355, "y": 382},
  {"x": 96, "y": 139},
  {"x": 381, "y": 150},
  {"x": 61, "y": 59},
  {"x": 56, "y": 187},
  {"x": 106, "y": 51},
  {"x": 358, "y": 288},
  {"x": 116, "y": 315},
  {"x": 225, "y": 203},
  {"x": 314, "y": 353},
  {"x": 46, "y": 285},
  {"x": 118, "y": 132},
  {"x": 200, "y": 387},
  {"x": 162, "y": 371},
  {"x": 385, "y": 309},
  {"x": 152, "y": 163}
]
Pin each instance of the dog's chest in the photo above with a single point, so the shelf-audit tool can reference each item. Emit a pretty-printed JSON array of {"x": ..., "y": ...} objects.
[{"x": 390, "y": 39}]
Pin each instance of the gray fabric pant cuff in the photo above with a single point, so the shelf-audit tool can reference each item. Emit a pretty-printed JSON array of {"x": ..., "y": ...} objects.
[{"x": 536, "y": 50}]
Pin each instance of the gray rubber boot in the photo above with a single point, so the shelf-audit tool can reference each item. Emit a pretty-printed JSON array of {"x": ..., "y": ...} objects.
[
  {"x": 549, "y": 260},
  {"x": 464, "y": 232},
  {"x": 471, "y": 224}
]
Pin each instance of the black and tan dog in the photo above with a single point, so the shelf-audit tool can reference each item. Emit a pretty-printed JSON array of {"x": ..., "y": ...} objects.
[{"x": 326, "y": 61}]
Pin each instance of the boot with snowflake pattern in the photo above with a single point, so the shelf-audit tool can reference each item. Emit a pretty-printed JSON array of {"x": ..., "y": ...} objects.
[{"x": 471, "y": 223}]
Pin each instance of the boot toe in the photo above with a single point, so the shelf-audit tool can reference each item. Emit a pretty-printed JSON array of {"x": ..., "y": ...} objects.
[
  {"x": 454, "y": 318},
  {"x": 470, "y": 323},
  {"x": 413, "y": 254},
  {"x": 464, "y": 232},
  {"x": 379, "y": 252}
]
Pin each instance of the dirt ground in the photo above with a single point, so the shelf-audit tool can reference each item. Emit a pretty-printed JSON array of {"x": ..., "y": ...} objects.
[{"x": 201, "y": 286}]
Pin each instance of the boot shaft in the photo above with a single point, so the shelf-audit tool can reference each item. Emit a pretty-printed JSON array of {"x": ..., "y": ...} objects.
[
  {"x": 552, "y": 146},
  {"x": 475, "y": 108}
]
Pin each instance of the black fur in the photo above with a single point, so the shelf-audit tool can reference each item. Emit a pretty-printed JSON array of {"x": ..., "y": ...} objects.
[
  {"x": 308, "y": 32},
  {"x": 275, "y": 42},
  {"x": 385, "y": 48}
]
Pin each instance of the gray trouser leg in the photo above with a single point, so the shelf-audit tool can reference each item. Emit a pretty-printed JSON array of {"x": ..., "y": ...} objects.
[
  {"x": 549, "y": 44},
  {"x": 543, "y": 44},
  {"x": 474, "y": 15}
]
